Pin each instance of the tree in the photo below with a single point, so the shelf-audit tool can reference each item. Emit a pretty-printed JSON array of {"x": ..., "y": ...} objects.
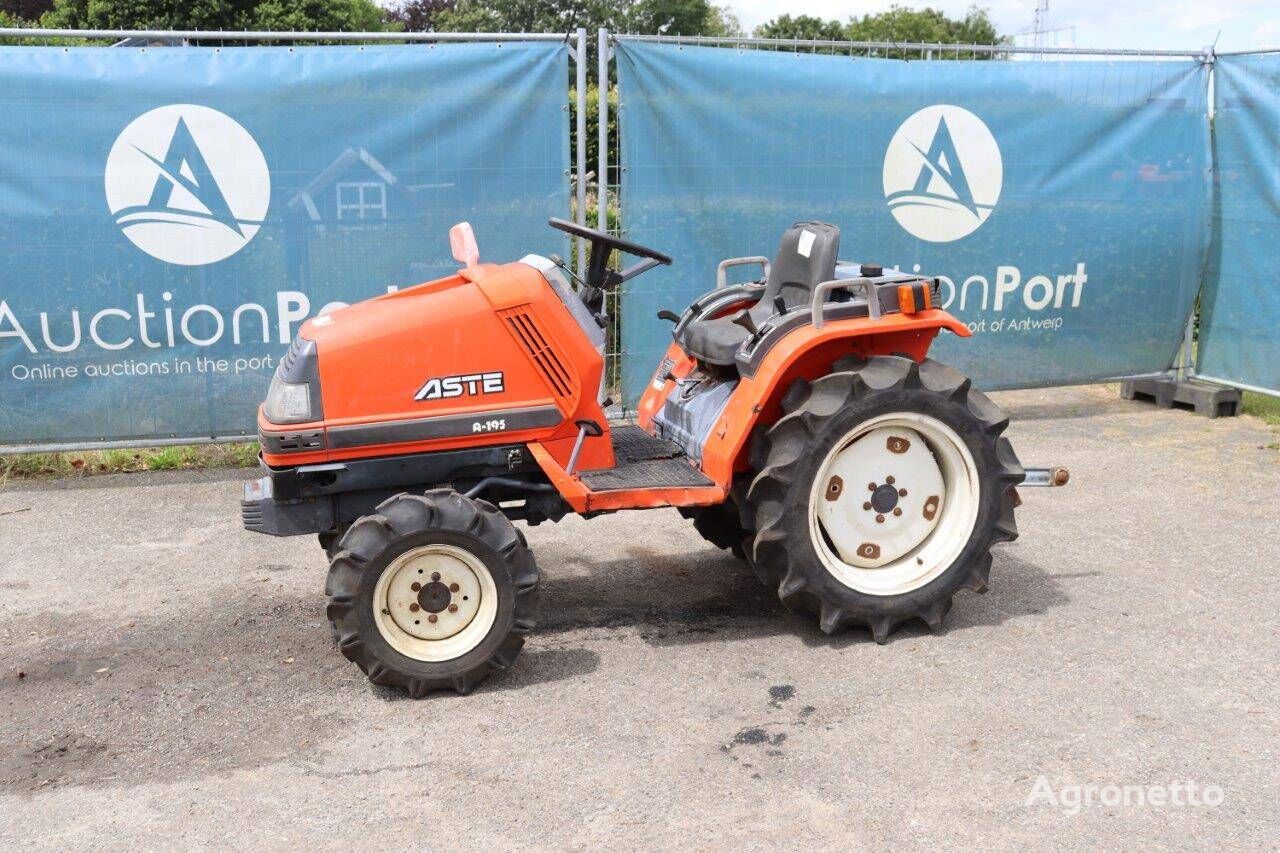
[
  {"x": 324, "y": 15},
  {"x": 14, "y": 11},
  {"x": 350, "y": 15},
  {"x": 898, "y": 24},
  {"x": 673, "y": 17},
  {"x": 805, "y": 27},
  {"x": 927, "y": 25},
  {"x": 418, "y": 16},
  {"x": 723, "y": 21}
]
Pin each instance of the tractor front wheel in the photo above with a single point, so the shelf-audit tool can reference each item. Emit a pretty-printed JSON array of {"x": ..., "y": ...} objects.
[
  {"x": 880, "y": 492},
  {"x": 432, "y": 592}
]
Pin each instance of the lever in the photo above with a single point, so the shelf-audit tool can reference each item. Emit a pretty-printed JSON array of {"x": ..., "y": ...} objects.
[
  {"x": 585, "y": 428},
  {"x": 559, "y": 261},
  {"x": 779, "y": 304},
  {"x": 664, "y": 314},
  {"x": 744, "y": 319}
]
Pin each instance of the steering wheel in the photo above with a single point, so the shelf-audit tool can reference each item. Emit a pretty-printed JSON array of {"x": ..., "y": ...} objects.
[
  {"x": 602, "y": 239},
  {"x": 599, "y": 277}
]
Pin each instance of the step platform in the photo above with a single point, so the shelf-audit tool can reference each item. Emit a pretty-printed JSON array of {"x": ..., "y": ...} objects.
[{"x": 644, "y": 462}]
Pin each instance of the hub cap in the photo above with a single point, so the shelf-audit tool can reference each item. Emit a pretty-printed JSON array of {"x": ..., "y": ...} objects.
[
  {"x": 435, "y": 602},
  {"x": 894, "y": 503}
]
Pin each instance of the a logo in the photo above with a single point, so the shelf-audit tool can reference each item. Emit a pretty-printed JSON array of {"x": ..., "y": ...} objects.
[
  {"x": 444, "y": 387},
  {"x": 187, "y": 184},
  {"x": 942, "y": 173}
]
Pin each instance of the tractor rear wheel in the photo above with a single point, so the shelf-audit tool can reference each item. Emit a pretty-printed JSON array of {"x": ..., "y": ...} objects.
[
  {"x": 433, "y": 592},
  {"x": 880, "y": 491}
]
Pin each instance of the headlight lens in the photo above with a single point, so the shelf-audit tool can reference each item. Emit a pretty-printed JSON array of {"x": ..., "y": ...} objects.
[
  {"x": 288, "y": 403},
  {"x": 294, "y": 395}
]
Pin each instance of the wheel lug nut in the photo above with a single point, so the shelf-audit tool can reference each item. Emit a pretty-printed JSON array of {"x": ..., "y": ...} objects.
[
  {"x": 879, "y": 519},
  {"x": 453, "y": 608},
  {"x": 435, "y": 576},
  {"x": 867, "y": 505},
  {"x": 432, "y": 618},
  {"x": 871, "y": 487},
  {"x": 897, "y": 510},
  {"x": 890, "y": 480},
  {"x": 415, "y": 586},
  {"x": 902, "y": 493},
  {"x": 453, "y": 587},
  {"x": 414, "y": 608}
]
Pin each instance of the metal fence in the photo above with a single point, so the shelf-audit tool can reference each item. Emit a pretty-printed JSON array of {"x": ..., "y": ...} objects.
[
  {"x": 611, "y": 191},
  {"x": 142, "y": 39},
  {"x": 596, "y": 193},
  {"x": 916, "y": 50}
]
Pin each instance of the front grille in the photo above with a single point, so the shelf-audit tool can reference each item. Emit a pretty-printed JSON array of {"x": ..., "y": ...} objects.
[{"x": 292, "y": 442}]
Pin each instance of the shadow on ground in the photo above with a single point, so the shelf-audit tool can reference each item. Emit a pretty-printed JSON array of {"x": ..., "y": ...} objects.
[
  {"x": 200, "y": 691},
  {"x": 709, "y": 596}
]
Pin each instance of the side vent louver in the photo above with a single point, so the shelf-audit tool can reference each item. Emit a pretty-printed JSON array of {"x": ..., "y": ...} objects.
[{"x": 525, "y": 330}]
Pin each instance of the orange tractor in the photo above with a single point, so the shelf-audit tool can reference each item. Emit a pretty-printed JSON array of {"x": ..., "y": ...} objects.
[{"x": 797, "y": 420}]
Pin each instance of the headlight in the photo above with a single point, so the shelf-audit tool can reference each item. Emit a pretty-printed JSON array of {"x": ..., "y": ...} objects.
[
  {"x": 288, "y": 403},
  {"x": 294, "y": 395}
]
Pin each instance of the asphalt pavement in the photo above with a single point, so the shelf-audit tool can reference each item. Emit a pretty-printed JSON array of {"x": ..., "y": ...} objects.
[{"x": 168, "y": 680}]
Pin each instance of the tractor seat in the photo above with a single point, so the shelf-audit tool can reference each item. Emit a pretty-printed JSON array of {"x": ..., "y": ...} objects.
[{"x": 805, "y": 259}]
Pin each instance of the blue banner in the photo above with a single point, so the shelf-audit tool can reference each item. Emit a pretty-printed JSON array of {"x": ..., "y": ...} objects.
[
  {"x": 1240, "y": 312},
  {"x": 1063, "y": 203},
  {"x": 169, "y": 216}
]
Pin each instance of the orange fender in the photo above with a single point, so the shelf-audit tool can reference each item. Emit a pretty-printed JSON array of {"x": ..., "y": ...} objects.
[{"x": 806, "y": 353}]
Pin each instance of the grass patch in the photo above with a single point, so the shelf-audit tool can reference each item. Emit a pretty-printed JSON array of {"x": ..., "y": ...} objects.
[
  {"x": 1263, "y": 406},
  {"x": 43, "y": 466}
]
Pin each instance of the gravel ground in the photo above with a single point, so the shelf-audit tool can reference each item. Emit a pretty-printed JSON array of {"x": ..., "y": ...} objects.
[{"x": 180, "y": 688}]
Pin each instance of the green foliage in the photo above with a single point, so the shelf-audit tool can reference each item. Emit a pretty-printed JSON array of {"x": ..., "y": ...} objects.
[
  {"x": 324, "y": 15},
  {"x": 805, "y": 27},
  {"x": 927, "y": 25},
  {"x": 593, "y": 124},
  {"x": 22, "y": 10},
  {"x": 33, "y": 466},
  {"x": 352, "y": 15},
  {"x": 898, "y": 24},
  {"x": 674, "y": 17},
  {"x": 723, "y": 21},
  {"x": 418, "y": 16},
  {"x": 1262, "y": 406}
]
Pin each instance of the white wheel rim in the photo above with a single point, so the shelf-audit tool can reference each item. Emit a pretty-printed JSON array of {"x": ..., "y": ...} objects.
[
  {"x": 861, "y": 540},
  {"x": 435, "y": 602}
]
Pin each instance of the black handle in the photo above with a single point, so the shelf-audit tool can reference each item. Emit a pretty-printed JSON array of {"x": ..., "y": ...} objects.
[{"x": 744, "y": 319}]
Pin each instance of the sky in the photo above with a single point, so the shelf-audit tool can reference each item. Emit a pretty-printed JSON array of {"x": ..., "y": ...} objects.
[{"x": 1148, "y": 24}]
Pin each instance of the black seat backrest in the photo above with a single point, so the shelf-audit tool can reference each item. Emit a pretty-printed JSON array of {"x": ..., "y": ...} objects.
[{"x": 806, "y": 258}]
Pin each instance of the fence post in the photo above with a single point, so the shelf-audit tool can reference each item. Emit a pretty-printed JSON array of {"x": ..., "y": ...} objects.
[
  {"x": 602, "y": 132},
  {"x": 582, "y": 145}
]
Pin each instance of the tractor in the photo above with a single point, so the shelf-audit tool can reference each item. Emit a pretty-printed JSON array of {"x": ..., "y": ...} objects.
[{"x": 796, "y": 419}]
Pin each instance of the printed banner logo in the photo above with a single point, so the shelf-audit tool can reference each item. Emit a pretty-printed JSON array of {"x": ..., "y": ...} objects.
[
  {"x": 187, "y": 184},
  {"x": 942, "y": 173}
]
